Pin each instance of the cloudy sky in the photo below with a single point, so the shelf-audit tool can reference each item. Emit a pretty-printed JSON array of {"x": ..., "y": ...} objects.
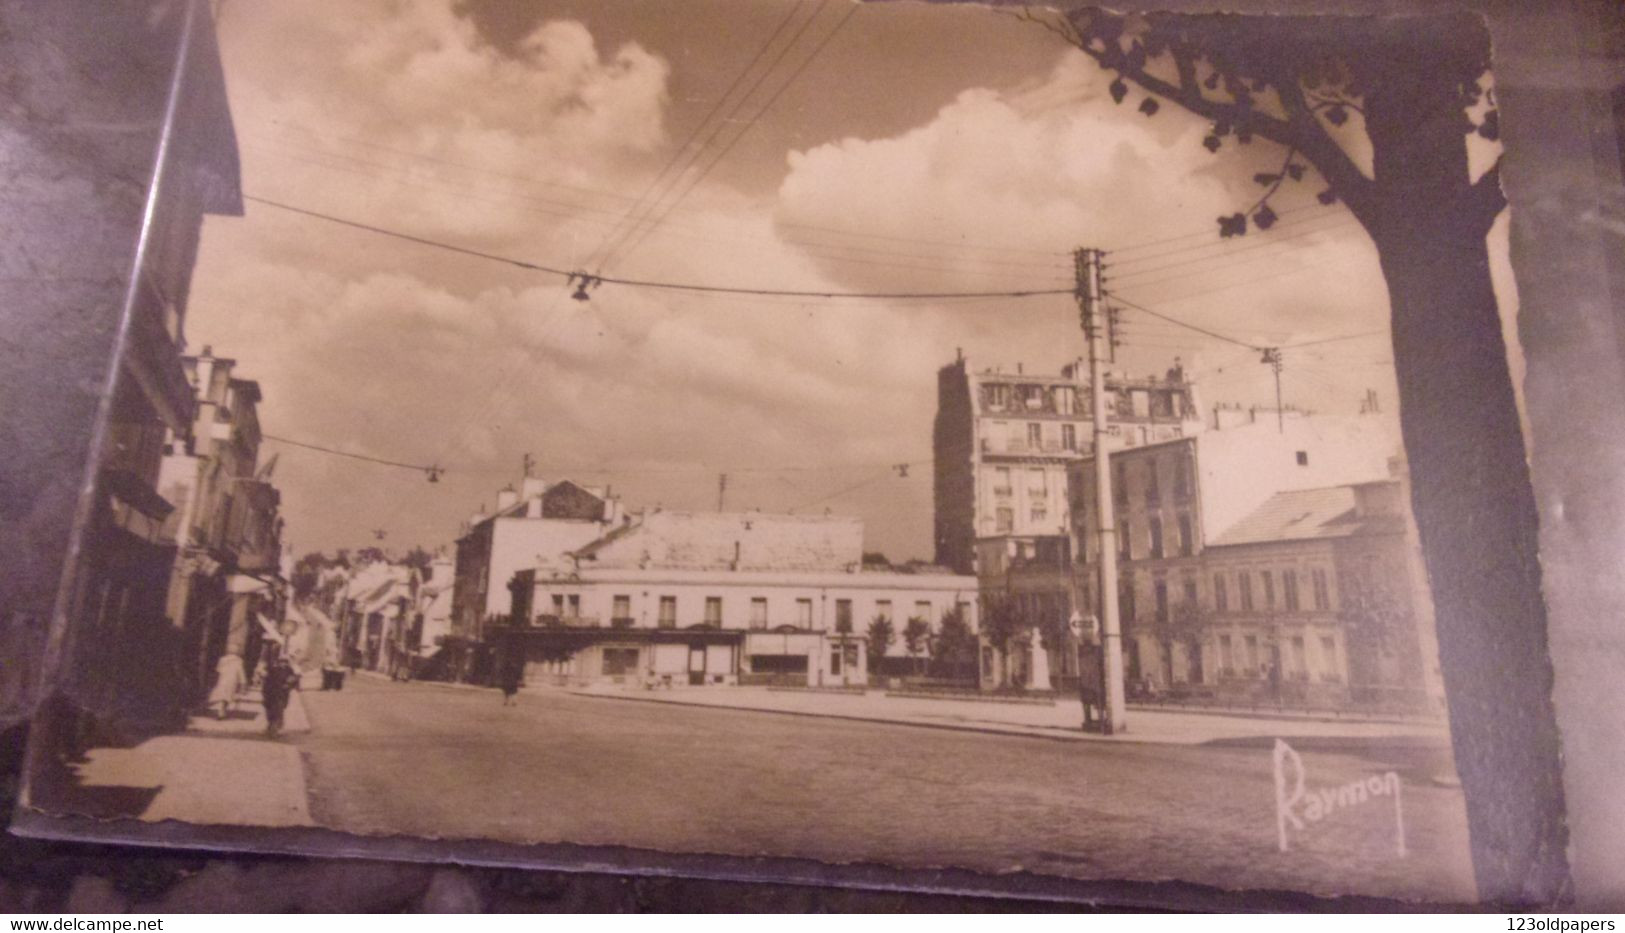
[{"x": 890, "y": 147}]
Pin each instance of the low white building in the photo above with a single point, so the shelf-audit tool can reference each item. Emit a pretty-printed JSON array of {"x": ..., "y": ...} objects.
[{"x": 722, "y": 598}]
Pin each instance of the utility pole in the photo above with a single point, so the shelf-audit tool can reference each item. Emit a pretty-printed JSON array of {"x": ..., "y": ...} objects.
[
  {"x": 1272, "y": 358},
  {"x": 527, "y": 465},
  {"x": 722, "y": 489},
  {"x": 1094, "y": 327}
]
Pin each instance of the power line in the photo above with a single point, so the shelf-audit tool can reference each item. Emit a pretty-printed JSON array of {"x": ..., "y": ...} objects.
[
  {"x": 638, "y": 207},
  {"x": 650, "y": 283},
  {"x": 817, "y": 50},
  {"x": 1185, "y": 324},
  {"x": 1339, "y": 224},
  {"x": 421, "y": 468}
]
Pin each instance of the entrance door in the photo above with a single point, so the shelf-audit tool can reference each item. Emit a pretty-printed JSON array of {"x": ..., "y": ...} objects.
[{"x": 696, "y": 665}]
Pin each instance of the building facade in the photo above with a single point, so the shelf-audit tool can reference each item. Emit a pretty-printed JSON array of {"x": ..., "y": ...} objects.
[
  {"x": 1188, "y": 517},
  {"x": 536, "y": 525},
  {"x": 724, "y": 598},
  {"x": 1005, "y": 444}
]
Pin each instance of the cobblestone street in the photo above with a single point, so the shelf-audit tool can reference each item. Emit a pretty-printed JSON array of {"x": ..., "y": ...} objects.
[{"x": 433, "y": 760}]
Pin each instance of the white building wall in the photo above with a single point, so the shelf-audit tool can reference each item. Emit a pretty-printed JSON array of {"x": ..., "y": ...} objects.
[
  {"x": 521, "y": 543},
  {"x": 1241, "y": 467},
  {"x": 784, "y": 595}
]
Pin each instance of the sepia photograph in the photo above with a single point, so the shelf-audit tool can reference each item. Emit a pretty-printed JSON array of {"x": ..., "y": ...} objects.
[{"x": 1018, "y": 441}]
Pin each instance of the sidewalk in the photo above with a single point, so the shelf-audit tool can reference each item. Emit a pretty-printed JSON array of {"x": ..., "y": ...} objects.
[
  {"x": 217, "y": 771},
  {"x": 1059, "y": 721}
]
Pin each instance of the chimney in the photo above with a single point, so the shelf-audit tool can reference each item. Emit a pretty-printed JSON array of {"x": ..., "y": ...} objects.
[
  {"x": 506, "y": 498},
  {"x": 531, "y": 487}
]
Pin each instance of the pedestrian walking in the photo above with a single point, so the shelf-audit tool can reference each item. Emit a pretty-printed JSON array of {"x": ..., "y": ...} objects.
[
  {"x": 229, "y": 680},
  {"x": 1091, "y": 675},
  {"x": 511, "y": 676},
  {"x": 280, "y": 682}
]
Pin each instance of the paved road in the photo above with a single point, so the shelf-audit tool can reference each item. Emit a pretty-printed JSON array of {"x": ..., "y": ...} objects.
[{"x": 431, "y": 760}]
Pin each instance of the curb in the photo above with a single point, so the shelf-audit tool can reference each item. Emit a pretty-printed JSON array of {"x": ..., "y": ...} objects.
[{"x": 1053, "y": 736}]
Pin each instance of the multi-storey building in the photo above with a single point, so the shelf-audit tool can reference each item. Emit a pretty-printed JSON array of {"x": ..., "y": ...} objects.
[
  {"x": 536, "y": 525},
  {"x": 1173, "y": 500},
  {"x": 226, "y": 524},
  {"x": 113, "y": 226},
  {"x": 1004, "y": 442},
  {"x": 723, "y": 598}
]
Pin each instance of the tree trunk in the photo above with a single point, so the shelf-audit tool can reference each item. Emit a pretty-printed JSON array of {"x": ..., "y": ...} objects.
[{"x": 1474, "y": 506}]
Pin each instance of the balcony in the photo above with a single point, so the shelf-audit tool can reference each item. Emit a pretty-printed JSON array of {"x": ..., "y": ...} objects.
[
  {"x": 622, "y": 622},
  {"x": 551, "y": 620}
]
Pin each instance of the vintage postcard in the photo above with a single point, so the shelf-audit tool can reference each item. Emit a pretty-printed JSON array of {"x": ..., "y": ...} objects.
[{"x": 998, "y": 440}]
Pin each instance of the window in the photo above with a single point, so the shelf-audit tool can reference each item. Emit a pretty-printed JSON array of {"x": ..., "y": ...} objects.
[
  {"x": 1004, "y": 519},
  {"x": 1125, "y": 541},
  {"x": 1182, "y": 479},
  {"x": 1159, "y": 590},
  {"x": 558, "y": 605},
  {"x": 1268, "y": 579},
  {"x": 1039, "y": 512},
  {"x": 804, "y": 613},
  {"x": 1069, "y": 437},
  {"x": 1227, "y": 654},
  {"x": 998, "y": 397},
  {"x": 621, "y": 608},
  {"x": 1289, "y": 589},
  {"x": 1190, "y": 593},
  {"x": 883, "y": 609},
  {"x": 1120, "y": 482},
  {"x": 1125, "y": 601},
  {"x": 1185, "y": 534},
  {"x": 668, "y": 612},
  {"x": 1303, "y": 458},
  {"x": 1066, "y": 399},
  {"x": 620, "y": 661},
  {"x": 1001, "y": 481},
  {"x": 1035, "y": 435},
  {"x": 922, "y": 610},
  {"x": 1323, "y": 595},
  {"x": 1036, "y": 487},
  {"x": 1244, "y": 588},
  {"x": 1156, "y": 536},
  {"x": 1252, "y": 653},
  {"x": 1221, "y": 597},
  {"x": 1299, "y": 659},
  {"x": 713, "y": 610},
  {"x": 758, "y": 612},
  {"x": 1153, "y": 495},
  {"x": 843, "y": 615},
  {"x": 1328, "y": 657}
]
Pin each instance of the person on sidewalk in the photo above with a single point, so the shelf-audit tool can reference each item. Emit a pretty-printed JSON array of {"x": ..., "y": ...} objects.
[
  {"x": 510, "y": 677},
  {"x": 280, "y": 682},
  {"x": 1091, "y": 674},
  {"x": 228, "y": 682}
]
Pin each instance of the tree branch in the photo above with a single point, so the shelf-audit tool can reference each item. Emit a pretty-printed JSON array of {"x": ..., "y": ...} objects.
[
  {"x": 1328, "y": 157},
  {"x": 1192, "y": 99}
]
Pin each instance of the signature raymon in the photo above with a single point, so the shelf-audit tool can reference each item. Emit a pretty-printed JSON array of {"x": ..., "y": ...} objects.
[{"x": 1296, "y": 806}]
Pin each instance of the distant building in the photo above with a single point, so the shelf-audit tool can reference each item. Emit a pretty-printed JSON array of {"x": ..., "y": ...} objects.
[
  {"x": 533, "y": 526},
  {"x": 721, "y": 598},
  {"x": 1003, "y": 444},
  {"x": 1313, "y": 601},
  {"x": 226, "y": 524},
  {"x": 1174, "y": 500}
]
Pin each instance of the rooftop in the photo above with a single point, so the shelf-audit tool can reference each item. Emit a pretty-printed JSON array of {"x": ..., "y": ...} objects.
[
  {"x": 1305, "y": 515},
  {"x": 730, "y": 541}
]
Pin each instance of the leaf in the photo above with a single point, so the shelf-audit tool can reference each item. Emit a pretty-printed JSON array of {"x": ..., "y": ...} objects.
[
  {"x": 1234, "y": 225},
  {"x": 1266, "y": 178},
  {"x": 1337, "y": 115},
  {"x": 1212, "y": 143},
  {"x": 1212, "y": 82},
  {"x": 1244, "y": 136},
  {"x": 1327, "y": 197},
  {"x": 1118, "y": 90},
  {"x": 1490, "y": 129},
  {"x": 1221, "y": 128},
  {"x": 1265, "y": 218},
  {"x": 1295, "y": 170},
  {"x": 1149, "y": 106}
]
